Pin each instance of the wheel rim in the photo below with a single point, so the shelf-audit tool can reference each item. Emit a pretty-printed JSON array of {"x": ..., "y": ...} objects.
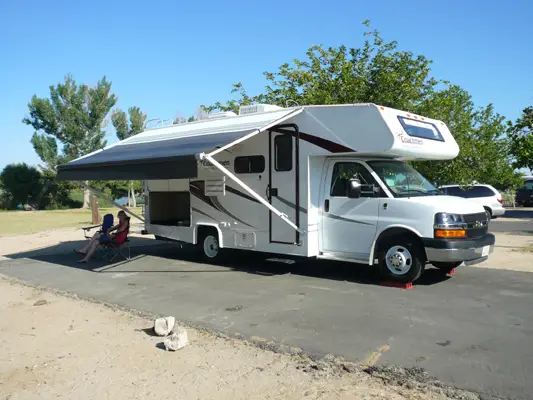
[
  {"x": 211, "y": 247},
  {"x": 489, "y": 216},
  {"x": 398, "y": 260}
]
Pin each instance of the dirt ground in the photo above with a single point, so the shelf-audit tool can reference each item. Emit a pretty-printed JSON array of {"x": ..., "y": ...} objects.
[
  {"x": 512, "y": 252},
  {"x": 71, "y": 348},
  {"x": 53, "y": 346}
]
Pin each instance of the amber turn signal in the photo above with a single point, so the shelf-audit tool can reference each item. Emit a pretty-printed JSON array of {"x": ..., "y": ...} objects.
[{"x": 450, "y": 233}]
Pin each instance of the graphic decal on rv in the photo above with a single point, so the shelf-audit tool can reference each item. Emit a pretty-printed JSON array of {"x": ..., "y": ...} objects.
[
  {"x": 325, "y": 144},
  {"x": 337, "y": 217},
  {"x": 240, "y": 194},
  {"x": 210, "y": 167},
  {"x": 328, "y": 145},
  {"x": 247, "y": 197},
  {"x": 197, "y": 189},
  {"x": 290, "y": 204},
  {"x": 409, "y": 140},
  {"x": 203, "y": 213}
]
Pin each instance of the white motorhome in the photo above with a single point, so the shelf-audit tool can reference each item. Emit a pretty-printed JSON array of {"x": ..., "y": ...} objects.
[{"x": 329, "y": 182}]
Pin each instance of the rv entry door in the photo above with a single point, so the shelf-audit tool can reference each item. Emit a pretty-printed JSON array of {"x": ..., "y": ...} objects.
[{"x": 282, "y": 190}]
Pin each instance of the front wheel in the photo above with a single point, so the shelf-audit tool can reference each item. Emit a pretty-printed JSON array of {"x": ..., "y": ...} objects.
[
  {"x": 401, "y": 260},
  {"x": 446, "y": 266},
  {"x": 209, "y": 245}
]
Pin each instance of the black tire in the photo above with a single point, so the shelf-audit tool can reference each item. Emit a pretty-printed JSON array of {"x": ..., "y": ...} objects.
[
  {"x": 446, "y": 266},
  {"x": 488, "y": 213},
  {"x": 411, "y": 265},
  {"x": 209, "y": 246}
]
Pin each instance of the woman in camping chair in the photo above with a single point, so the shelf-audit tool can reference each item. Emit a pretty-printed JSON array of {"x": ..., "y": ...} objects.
[{"x": 119, "y": 236}]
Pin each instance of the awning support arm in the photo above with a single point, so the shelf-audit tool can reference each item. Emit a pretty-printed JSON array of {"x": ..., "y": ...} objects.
[
  {"x": 249, "y": 190},
  {"x": 97, "y": 193}
]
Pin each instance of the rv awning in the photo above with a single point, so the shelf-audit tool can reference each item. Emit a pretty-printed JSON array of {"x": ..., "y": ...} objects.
[{"x": 170, "y": 152}]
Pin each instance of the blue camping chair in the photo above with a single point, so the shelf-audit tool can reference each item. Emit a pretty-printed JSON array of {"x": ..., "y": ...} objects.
[{"x": 107, "y": 222}]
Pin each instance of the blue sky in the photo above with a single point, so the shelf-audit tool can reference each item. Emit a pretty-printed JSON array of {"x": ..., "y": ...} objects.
[{"x": 168, "y": 57}]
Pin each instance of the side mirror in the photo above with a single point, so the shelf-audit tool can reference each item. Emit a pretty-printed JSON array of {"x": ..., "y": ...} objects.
[{"x": 354, "y": 189}]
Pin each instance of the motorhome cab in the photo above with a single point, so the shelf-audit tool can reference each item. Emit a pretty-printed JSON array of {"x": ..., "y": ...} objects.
[{"x": 330, "y": 182}]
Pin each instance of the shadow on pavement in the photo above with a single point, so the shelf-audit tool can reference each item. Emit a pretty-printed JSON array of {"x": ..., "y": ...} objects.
[
  {"x": 149, "y": 256},
  {"x": 519, "y": 213}
]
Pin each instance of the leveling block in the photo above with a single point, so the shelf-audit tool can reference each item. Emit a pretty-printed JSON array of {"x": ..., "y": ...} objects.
[{"x": 408, "y": 285}]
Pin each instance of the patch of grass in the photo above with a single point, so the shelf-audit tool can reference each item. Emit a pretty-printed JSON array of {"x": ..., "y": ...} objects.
[
  {"x": 27, "y": 222},
  {"x": 528, "y": 249},
  {"x": 76, "y": 195}
]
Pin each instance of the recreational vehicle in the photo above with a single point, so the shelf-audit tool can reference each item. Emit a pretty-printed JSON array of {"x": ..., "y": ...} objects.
[{"x": 330, "y": 182}]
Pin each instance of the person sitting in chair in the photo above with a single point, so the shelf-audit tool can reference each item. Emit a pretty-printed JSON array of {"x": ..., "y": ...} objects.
[{"x": 116, "y": 234}]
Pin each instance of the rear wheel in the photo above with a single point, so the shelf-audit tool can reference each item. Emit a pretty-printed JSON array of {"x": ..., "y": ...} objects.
[
  {"x": 488, "y": 213},
  {"x": 446, "y": 266},
  {"x": 401, "y": 260}
]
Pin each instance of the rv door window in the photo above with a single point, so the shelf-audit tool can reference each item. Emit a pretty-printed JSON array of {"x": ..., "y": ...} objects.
[
  {"x": 249, "y": 165},
  {"x": 283, "y": 153},
  {"x": 343, "y": 172}
]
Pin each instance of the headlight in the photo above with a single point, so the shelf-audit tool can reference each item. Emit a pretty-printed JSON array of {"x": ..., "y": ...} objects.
[
  {"x": 448, "y": 219},
  {"x": 449, "y": 225}
]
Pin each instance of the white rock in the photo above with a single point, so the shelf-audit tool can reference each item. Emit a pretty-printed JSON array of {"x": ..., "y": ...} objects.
[
  {"x": 177, "y": 340},
  {"x": 163, "y": 326}
]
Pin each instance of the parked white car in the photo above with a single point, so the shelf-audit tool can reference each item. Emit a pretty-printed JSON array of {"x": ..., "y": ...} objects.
[{"x": 485, "y": 195}]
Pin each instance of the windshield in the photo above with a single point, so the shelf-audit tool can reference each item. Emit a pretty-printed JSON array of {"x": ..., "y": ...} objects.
[{"x": 402, "y": 179}]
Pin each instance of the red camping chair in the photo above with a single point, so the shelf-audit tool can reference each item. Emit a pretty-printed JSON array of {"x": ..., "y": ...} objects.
[{"x": 117, "y": 247}]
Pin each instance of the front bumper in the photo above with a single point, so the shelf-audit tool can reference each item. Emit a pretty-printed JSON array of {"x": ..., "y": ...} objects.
[{"x": 474, "y": 250}]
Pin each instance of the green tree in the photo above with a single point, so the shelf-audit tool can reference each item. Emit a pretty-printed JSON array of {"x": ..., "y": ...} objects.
[
  {"x": 521, "y": 139},
  {"x": 378, "y": 72},
  {"x": 484, "y": 147},
  {"x": 74, "y": 115},
  {"x": 125, "y": 130},
  {"x": 20, "y": 183}
]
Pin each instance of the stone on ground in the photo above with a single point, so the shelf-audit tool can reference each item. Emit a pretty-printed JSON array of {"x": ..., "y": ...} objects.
[
  {"x": 177, "y": 340},
  {"x": 163, "y": 326}
]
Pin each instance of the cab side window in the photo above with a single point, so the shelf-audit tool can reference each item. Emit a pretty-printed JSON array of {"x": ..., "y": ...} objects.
[{"x": 344, "y": 171}]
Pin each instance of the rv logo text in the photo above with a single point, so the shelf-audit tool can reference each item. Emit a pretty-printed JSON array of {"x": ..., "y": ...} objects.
[
  {"x": 208, "y": 165},
  {"x": 410, "y": 140}
]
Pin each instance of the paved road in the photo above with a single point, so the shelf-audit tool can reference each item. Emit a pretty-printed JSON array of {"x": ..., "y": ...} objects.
[
  {"x": 518, "y": 222},
  {"x": 474, "y": 331}
]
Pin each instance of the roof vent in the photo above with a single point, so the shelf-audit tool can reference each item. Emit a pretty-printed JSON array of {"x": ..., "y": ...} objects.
[
  {"x": 224, "y": 114},
  {"x": 257, "y": 108}
]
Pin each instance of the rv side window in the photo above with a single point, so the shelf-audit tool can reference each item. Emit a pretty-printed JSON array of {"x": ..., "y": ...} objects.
[
  {"x": 283, "y": 153},
  {"x": 249, "y": 165},
  {"x": 420, "y": 129},
  {"x": 343, "y": 172}
]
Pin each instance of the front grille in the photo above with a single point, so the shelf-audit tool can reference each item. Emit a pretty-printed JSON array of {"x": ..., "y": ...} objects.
[
  {"x": 477, "y": 225},
  {"x": 469, "y": 218}
]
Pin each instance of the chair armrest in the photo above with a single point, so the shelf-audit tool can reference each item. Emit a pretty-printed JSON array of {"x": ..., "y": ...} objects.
[{"x": 88, "y": 228}]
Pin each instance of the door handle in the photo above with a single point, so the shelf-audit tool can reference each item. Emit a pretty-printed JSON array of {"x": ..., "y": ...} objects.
[{"x": 326, "y": 205}]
